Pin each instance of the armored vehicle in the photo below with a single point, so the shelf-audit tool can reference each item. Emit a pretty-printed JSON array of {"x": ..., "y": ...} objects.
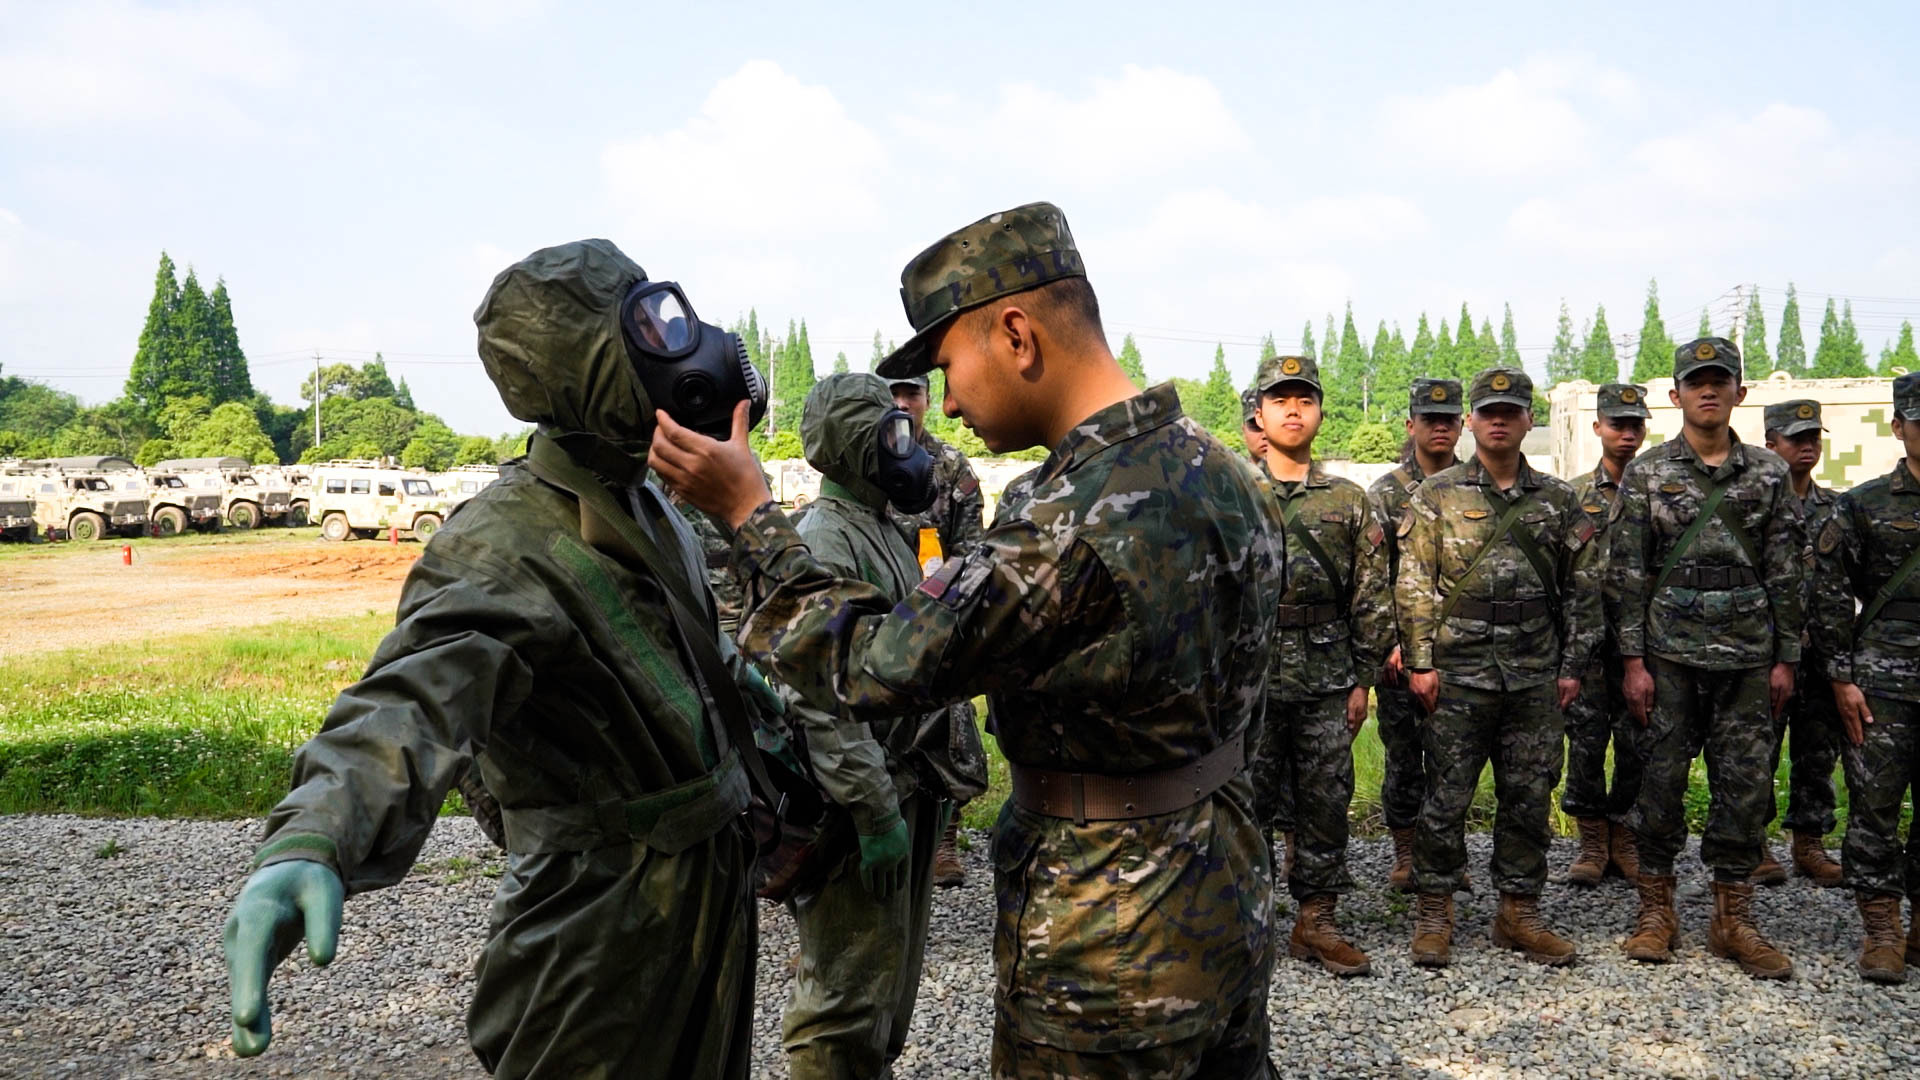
[
  {"x": 179, "y": 500},
  {"x": 463, "y": 482},
  {"x": 252, "y": 495},
  {"x": 88, "y": 498},
  {"x": 364, "y": 498},
  {"x": 16, "y": 503}
]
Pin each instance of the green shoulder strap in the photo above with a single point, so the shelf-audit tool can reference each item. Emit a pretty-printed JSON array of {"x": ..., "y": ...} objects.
[
  {"x": 1501, "y": 527},
  {"x": 1542, "y": 566},
  {"x": 1900, "y": 575},
  {"x": 1290, "y": 513},
  {"x": 1708, "y": 510}
]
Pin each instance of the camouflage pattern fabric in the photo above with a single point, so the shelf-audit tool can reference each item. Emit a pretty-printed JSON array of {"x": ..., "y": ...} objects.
[
  {"x": 1810, "y": 718},
  {"x": 716, "y": 551},
  {"x": 1720, "y": 629},
  {"x": 1879, "y": 772},
  {"x": 1303, "y": 784},
  {"x": 958, "y": 507},
  {"x": 1347, "y": 650},
  {"x": 1873, "y": 529},
  {"x": 1726, "y": 714},
  {"x": 1237, "y": 1052},
  {"x": 1397, "y": 715},
  {"x": 1600, "y": 716},
  {"x": 1121, "y": 623},
  {"x": 1519, "y": 732}
]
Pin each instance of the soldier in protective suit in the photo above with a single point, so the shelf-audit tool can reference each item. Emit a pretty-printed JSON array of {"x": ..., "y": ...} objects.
[
  {"x": 535, "y": 638},
  {"x": 863, "y": 931}
]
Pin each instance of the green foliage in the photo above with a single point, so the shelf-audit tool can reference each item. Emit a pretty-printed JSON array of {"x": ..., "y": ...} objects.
[
  {"x": 1466, "y": 349},
  {"x": 1130, "y": 362},
  {"x": 1839, "y": 354},
  {"x": 512, "y": 445},
  {"x": 1792, "y": 350},
  {"x": 790, "y": 381},
  {"x": 1598, "y": 363},
  {"x": 1705, "y": 329},
  {"x": 1440, "y": 362},
  {"x": 1753, "y": 344},
  {"x": 1509, "y": 341},
  {"x": 475, "y": 450},
  {"x": 157, "y": 356},
  {"x": 1563, "y": 363},
  {"x": 1268, "y": 349},
  {"x": 840, "y": 364},
  {"x": 1391, "y": 377},
  {"x": 1901, "y": 357},
  {"x": 1348, "y": 379},
  {"x": 1421, "y": 363},
  {"x": 230, "y": 430},
  {"x": 1654, "y": 356},
  {"x": 1306, "y": 340},
  {"x": 188, "y": 347},
  {"x": 353, "y": 428},
  {"x": 434, "y": 447},
  {"x": 783, "y": 445},
  {"x": 1373, "y": 443},
  {"x": 1219, "y": 406},
  {"x": 1490, "y": 355}
]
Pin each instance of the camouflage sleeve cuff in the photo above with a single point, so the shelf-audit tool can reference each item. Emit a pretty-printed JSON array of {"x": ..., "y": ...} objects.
[
  {"x": 763, "y": 538},
  {"x": 1786, "y": 649},
  {"x": 1840, "y": 671},
  {"x": 1417, "y": 657},
  {"x": 288, "y": 847},
  {"x": 1364, "y": 672}
]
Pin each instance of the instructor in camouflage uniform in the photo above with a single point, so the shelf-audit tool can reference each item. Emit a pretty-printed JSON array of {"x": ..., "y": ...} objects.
[
  {"x": 1708, "y": 556},
  {"x": 1433, "y": 429},
  {"x": 1121, "y": 622},
  {"x": 1794, "y": 432},
  {"x": 1600, "y": 714},
  {"x": 1331, "y": 634},
  {"x": 1250, "y": 432},
  {"x": 1499, "y": 606},
  {"x": 1870, "y": 551}
]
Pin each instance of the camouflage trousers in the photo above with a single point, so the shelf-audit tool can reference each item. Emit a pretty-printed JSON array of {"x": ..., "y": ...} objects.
[
  {"x": 1812, "y": 721},
  {"x": 1404, "y": 787},
  {"x": 1132, "y": 944},
  {"x": 1303, "y": 784},
  {"x": 1879, "y": 773},
  {"x": 1597, "y": 717},
  {"x": 1726, "y": 714},
  {"x": 860, "y": 961},
  {"x": 1520, "y": 732}
]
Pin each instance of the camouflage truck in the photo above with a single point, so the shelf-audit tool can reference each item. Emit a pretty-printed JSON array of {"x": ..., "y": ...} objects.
[
  {"x": 1858, "y": 414},
  {"x": 180, "y": 499},
  {"x": 88, "y": 498},
  {"x": 463, "y": 482},
  {"x": 364, "y": 498},
  {"x": 251, "y": 495},
  {"x": 299, "y": 481},
  {"x": 16, "y": 503}
]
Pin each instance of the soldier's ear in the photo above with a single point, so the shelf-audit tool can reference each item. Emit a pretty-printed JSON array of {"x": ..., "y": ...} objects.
[
  {"x": 1673, "y": 395},
  {"x": 1741, "y": 394}
]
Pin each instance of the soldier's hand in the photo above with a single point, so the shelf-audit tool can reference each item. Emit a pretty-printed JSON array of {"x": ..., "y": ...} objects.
[
  {"x": 1356, "y": 709},
  {"x": 721, "y": 478},
  {"x": 1393, "y": 667},
  {"x": 1854, "y": 714},
  {"x": 1780, "y": 687},
  {"x": 1425, "y": 687},
  {"x": 883, "y": 861},
  {"x": 1638, "y": 688},
  {"x": 1569, "y": 690},
  {"x": 279, "y": 905}
]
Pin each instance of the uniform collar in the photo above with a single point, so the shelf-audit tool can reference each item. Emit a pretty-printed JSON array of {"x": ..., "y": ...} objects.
[
  {"x": 1821, "y": 496},
  {"x": 1901, "y": 481},
  {"x": 1680, "y": 449},
  {"x": 1414, "y": 472},
  {"x": 1120, "y": 422},
  {"x": 1601, "y": 477},
  {"x": 1477, "y": 475},
  {"x": 1317, "y": 475}
]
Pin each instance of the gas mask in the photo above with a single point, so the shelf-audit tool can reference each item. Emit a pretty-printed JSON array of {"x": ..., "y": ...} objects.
[
  {"x": 694, "y": 371},
  {"x": 905, "y": 467}
]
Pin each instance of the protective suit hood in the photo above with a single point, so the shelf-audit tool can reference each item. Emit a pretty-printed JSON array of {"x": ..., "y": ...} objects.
[
  {"x": 840, "y": 431},
  {"x": 550, "y": 339}
]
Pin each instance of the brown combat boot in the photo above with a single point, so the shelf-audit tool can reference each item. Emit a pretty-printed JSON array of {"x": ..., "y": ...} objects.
[
  {"x": 1733, "y": 934},
  {"x": 1810, "y": 860},
  {"x": 1769, "y": 872},
  {"x": 1590, "y": 866},
  {"x": 1519, "y": 927},
  {"x": 1433, "y": 930},
  {"x": 1623, "y": 851},
  {"x": 1400, "y": 878},
  {"x": 1656, "y": 932},
  {"x": 1882, "y": 955},
  {"x": 1316, "y": 938},
  {"x": 948, "y": 870}
]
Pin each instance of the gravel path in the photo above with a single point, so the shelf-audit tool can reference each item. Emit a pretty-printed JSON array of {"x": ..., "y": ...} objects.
[{"x": 111, "y": 967}]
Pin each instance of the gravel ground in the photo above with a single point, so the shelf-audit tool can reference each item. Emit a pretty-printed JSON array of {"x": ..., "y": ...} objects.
[{"x": 110, "y": 966}]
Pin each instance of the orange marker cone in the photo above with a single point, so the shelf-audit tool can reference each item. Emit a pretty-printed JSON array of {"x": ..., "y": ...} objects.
[
  {"x": 126, "y": 554},
  {"x": 393, "y": 535}
]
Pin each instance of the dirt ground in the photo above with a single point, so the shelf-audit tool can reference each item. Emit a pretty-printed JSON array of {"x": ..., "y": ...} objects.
[{"x": 57, "y": 596}]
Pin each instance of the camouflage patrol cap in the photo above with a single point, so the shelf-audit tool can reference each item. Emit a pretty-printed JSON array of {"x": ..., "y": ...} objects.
[
  {"x": 1434, "y": 396},
  {"x": 919, "y": 380},
  {"x": 1906, "y": 396},
  {"x": 1249, "y": 405},
  {"x": 1793, "y": 417},
  {"x": 1619, "y": 399},
  {"x": 1706, "y": 352},
  {"x": 1001, "y": 254},
  {"x": 1275, "y": 370},
  {"x": 1501, "y": 386}
]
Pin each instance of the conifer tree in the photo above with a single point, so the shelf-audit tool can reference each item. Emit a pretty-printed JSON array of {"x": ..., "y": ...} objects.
[
  {"x": 1350, "y": 384},
  {"x": 1753, "y": 339},
  {"x": 1489, "y": 346},
  {"x": 840, "y": 364},
  {"x": 1901, "y": 358},
  {"x": 1306, "y": 340},
  {"x": 1705, "y": 329},
  {"x": 1509, "y": 341},
  {"x": 1131, "y": 362},
  {"x": 1792, "y": 351},
  {"x": 1219, "y": 410},
  {"x": 157, "y": 355},
  {"x": 1420, "y": 360},
  {"x": 879, "y": 353},
  {"x": 1654, "y": 355},
  {"x": 1390, "y": 375},
  {"x": 231, "y": 379},
  {"x": 1828, "y": 356},
  {"x": 1563, "y": 363},
  {"x": 1267, "y": 348},
  {"x": 1466, "y": 349},
  {"x": 1441, "y": 366},
  {"x": 1329, "y": 343},
  {"x": 1598, "y": 363},
  {"x": 1853, "y": 352}
]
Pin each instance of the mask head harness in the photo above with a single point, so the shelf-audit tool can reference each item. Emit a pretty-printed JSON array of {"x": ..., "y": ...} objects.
[{"x": 694, "y": 371}]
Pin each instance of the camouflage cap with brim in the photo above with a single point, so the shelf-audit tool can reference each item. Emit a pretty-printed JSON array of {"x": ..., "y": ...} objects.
[
  {"x": 1275, "y": 370},
  {"x": 1434, "y": 396},
  {"x": 1706, "y": 352},
  {"x": 999, "y": 255},
  {"x": 1789, "y": 418},
  {"x": 1501, "y": 386},
  {"x": 1249, "y": 405},
  {"x": 1906, "y": 396},
  {"x": 919, "y": 380},
  {"x": 1622, "y": 400}
]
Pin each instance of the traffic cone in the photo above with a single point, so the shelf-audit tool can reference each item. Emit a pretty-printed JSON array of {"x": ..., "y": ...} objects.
[
  {"x": 393, "y": 535},
  {"x": 126, "y": 554}
]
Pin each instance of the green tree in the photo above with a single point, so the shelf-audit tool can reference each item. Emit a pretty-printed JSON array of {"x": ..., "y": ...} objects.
[
  {"x": 879, "y": 353},
  {"x": 1705, "y": 329},
  {"x": 1131, "y": 362},
  {"x": 1466, "y": 349},
  {"x": 150, "y": 379},
  {"x": 1490, "y": 354},
  {"x": 793, "y": 377},
  {"x": 1373, "y": 443},
  {"x": 1306, "y": 341},
  {"x": 1563, "y": 363},
  {"x": 1440, "y": 366},
  {"x": 1792, "y": 350},
  {"x": 194, "y": 363},
  {"x": 1329, "y": 343},
  {"x": 1219, "y": 409},
  {"x": 840, "y": 364},
  {"x": 475, "y": 450},
  {"x": 403, "y": 396},
  {"x": 231, "y": 379},
  {"x": 1509, "y": 341},
  {"x": 1829, "y": 360},
  {"x": 1654, "y": 356},
  {"x": 1853, "y": 352},
  {"x": 230, "y": 430},
  {"x": 1268, "y": 349},
  {"x": 1391, "y": 376},
  {"x": 33, "y": 410},
  {"x": 1753, "y": 343},
  {"x": 1598, "y": 363},
  {"x": 1898, "y": 360},
  {"x": 1349, "y": 384},
  {"x": 336, "y": 381},
  {"x": 372, "y": 381},
  {"x": 1420, "y": 358},
  {"x": 114, "y": 428},
  {"x": 434, "y": 446}
]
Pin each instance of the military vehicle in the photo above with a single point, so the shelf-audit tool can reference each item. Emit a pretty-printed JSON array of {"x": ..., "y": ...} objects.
[
  {"x": 16, "y": 503},
  {"x": 88, "y": 498},
  {"x": 181, "y": 499},
  {"x": 365, "y": 498},
  {"x": 251, "y": 496},
  {"x": 298, "y": 480},
  {"x": 463, "y": 482}
]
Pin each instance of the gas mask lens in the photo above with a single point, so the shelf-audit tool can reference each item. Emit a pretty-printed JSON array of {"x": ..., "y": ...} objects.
[
  {"x": 696, "y": 371},
  {"x": 906, "y": 469},
  {"x": 896, "y": 435},
  {"x": 659, "y": 320}
]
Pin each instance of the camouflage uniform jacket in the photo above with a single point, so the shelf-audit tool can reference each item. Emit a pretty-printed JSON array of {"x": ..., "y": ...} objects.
[
  {"x": 1389, "y": 496},
  {"x": 1821, "y": 506},
  {"x": 958, "y": 506},
  {"x": 1335, "y": 654},
  {"x": 1121, "y": 621},
  {"x": 716, "y": 550},
  {"x": 1596, "y": 492},
  {"x": 1720, "y": 629},
  {"x": 1448, "y": 521},
  {"x": 1873, "y": 529}
]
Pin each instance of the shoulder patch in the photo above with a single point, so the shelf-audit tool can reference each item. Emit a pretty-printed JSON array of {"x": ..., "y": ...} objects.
[
  {"x": 1474, "y": 515},
  {"x": 1582, "y": 534},
  {"x": 1334, "y": 517},
  {"x": 1376, "y": 535},
  {"x": 968, "y": 484},
  {"x": 1830, "y": 537}
]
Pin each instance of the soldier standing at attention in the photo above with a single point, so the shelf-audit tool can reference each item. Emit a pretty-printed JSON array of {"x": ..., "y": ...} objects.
[
  {"x": 1600, "y": 713},
  {"x": 1332, "y": 633},
  {"x": 1256, "y": 440},
  {"x": 1794, "y": 432},
  {"x": 1499, "y": 605},
  {"x": 1121, "y": 622},
  {"x": 957, "y": 518},
  {"x": 1708, "y": 557},
  {"x": 1869, "y": 551},
  {"x": 1433, "y": 428}
]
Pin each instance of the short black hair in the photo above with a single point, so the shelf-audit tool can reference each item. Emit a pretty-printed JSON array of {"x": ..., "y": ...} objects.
[{"x": 1067, "y": 305}]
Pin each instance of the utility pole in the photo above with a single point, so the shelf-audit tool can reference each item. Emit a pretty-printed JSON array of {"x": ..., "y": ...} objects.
[
  {"x": 1739, "y": 316},
  {"x": 316, "y": 399}
]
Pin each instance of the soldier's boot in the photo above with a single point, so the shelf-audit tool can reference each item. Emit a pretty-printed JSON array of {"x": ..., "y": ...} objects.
[
  {"x": 1769, "y": 872},
  {"x": 1316, "y": 938},
  {"x": 1882, "y": 953},
  {"x": 1433, "y": 930},
  {"x": 1623, "y": 852},
  {"x": 1913, "y": 935},
  {"x": 948, "y": 870},
  {"x": 1590, "y": 866},
  {"x": 1810, "y": 860},
  {"x": 1520, "y": 928},
  {"x": 1656, "y": 931},
  {"x": 1734, "y": 935},
  {"x": 1401, "y": 876}
]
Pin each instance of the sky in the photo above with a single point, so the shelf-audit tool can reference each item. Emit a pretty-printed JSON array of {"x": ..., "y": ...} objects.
[{"x": 358, "y": 173}]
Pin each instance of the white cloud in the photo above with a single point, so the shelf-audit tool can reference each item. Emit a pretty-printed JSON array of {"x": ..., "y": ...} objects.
[
  {"x": 1522, "y": 121},
  {"x": 120, "y": 64},
  {"x": 489, "y": 16}
]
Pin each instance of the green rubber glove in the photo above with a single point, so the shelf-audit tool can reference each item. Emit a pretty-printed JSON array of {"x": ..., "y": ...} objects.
[
  {"x": 883, "y": 861},
  {"x": 279, "y": 905}
]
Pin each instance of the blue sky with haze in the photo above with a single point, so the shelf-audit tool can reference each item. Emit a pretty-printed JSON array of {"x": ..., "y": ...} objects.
[{"x": 359, "y": 172}]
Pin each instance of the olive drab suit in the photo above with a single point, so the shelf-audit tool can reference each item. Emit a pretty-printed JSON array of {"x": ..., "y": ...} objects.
[
  {"x": 1132, "y": 930},
  {"x": 861, "y": 954},
  {"x": 530, "y": 637}
]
